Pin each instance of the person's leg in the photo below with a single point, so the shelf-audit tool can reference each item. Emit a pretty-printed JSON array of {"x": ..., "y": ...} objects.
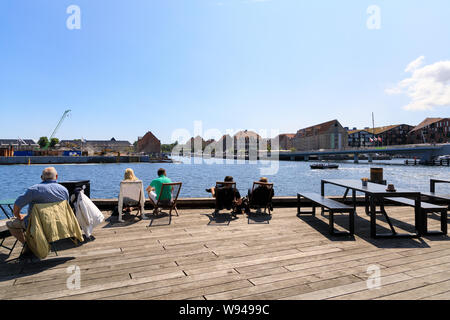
[
  {"x": 16, "y": 227},
  {"x": 153, "y": 199},
  {"x": 152, "y": 196}
]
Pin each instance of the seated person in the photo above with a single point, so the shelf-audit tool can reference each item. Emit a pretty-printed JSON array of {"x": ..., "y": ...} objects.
[
  {"x": 129, "y": 176},
  {"x": 48, "y": 191},
  {"x": 261, "y": 194},
  {"x": 154, "y": 190},
  {"x": 226, "y": 197}
]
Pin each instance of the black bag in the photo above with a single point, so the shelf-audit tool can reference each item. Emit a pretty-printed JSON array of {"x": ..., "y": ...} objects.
[{"x": 115, "y": 212}]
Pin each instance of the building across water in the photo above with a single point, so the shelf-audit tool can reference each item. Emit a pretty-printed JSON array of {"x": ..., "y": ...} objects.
[
  {"x": 98, "y": 146},
  {"x": 327, "y": 135},
  {"x": 431, "y": 130},
  {"x": 380, "y": 136},
  {"x": 149, "y": 143}
]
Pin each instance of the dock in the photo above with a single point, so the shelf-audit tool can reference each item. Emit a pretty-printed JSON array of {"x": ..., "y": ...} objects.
[{"x": 194, "y": 256}]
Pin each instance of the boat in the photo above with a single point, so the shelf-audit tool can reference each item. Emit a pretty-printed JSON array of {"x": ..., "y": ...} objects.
[{"x": 324, "y": 166}]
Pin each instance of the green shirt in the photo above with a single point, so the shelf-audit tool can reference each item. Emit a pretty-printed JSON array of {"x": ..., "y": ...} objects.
[{"x": 157, "y": 184}]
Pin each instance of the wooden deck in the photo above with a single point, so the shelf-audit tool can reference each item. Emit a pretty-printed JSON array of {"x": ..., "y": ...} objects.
[{"x": 196, "y": 257}]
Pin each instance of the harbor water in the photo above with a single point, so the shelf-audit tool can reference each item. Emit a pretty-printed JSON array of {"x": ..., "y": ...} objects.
[{"x": 290, "y": 177}]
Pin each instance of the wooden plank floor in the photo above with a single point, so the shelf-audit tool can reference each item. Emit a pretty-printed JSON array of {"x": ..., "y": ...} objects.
[{"x": 197, "y": 257}]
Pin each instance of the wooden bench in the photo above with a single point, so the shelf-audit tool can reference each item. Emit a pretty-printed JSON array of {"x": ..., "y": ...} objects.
[
  {"x": 425, "y": 209},
  {"x": 332, "y": 206},
  {"x": 437, "y": 196}
]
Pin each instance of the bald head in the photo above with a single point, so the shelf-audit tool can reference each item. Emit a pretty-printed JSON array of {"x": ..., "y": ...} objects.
[{"x": 49, "y": 174}]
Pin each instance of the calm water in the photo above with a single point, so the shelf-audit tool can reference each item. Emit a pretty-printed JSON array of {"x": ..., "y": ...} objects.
[{"x": 290, "y": 178}]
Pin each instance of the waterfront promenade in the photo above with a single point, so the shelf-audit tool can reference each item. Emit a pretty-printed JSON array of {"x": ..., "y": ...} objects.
[{"x": 197, "y": 257}]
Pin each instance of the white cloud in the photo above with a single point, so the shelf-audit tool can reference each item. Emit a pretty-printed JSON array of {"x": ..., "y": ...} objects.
[
  {"x": 428, "y": 86},
  {"x": 415, "y": 64}
]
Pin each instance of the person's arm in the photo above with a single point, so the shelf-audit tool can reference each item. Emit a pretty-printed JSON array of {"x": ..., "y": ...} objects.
[
  {"x": 21, "y": 202},
  {"x": 17, "y": 213},
  {"x": 151, "y": 187}
]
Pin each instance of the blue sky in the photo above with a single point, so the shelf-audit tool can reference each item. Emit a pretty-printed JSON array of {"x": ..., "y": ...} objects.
[{"x": 159, "y": 65}]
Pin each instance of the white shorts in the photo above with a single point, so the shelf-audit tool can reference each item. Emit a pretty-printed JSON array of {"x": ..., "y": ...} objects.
[{"x": 152, "y": 195}]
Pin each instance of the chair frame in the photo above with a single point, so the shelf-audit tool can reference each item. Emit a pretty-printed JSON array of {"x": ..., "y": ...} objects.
[
  {"x": 141, "y": 205},
  {"x": 161, "y": 204},
  {"x": 268, "y": 205},
  {"x": 3, "y": 236},
  {"x": 233, "y": 205}
]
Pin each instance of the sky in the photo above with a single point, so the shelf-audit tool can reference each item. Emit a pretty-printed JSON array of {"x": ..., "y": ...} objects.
[{"x": 128, "y": 67}]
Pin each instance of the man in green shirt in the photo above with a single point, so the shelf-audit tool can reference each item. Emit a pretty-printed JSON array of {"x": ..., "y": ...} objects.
[{"x": 154, "y": 190}]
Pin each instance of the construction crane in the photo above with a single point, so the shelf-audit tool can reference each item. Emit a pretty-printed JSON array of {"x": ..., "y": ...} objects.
[{"x": 65, "y": 115}]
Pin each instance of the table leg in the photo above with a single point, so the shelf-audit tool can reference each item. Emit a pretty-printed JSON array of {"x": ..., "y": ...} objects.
[
  {"x": 322, "y": 192},
  {"x": 383, "y": 211},
  {"x": 444, "y": 222},
  {"x": 420, "y": 220},
  {"x": 373, "y": 218},
  {"x": 394, "y": 233},
  {"x": 367, "y": 204},
  {"x": 345, "y": 194}
]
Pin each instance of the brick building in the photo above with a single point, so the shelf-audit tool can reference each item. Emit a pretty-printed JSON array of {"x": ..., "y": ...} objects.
[
  {"x": 285, "y": 141},
  {"x": 327, "y": 135},
  {"x": 148, "y": 144},
  {"x": 393, "y": 135},
  {"x": 431, "y": 130},
  {"x": 381, "y": 136},
  {"x": 360, "y": 138}
]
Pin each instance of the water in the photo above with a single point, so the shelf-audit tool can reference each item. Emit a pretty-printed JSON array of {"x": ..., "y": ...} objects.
[{"x": 291, "y": 178}]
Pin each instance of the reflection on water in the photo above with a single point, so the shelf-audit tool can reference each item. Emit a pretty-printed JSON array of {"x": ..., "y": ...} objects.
[{"x": 291, "y": 177}]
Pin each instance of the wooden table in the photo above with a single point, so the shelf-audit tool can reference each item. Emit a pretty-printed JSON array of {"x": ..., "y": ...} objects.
[{"x": 376, "y": 194}]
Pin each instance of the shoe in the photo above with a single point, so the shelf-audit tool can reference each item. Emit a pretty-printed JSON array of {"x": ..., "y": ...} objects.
[
  {"x": 145, "y": 217},
  {"x": 208, "y": 190}
]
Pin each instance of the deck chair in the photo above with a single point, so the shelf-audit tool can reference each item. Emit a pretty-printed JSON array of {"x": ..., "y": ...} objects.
[
  {"x": 48, "y": 223},
  {"x": 131, "y": 195},
  {"x": 164, "y": 201},
  {"x": 225, "y": 194},
  {"x": 4, "y": 233},
  {"x": 261, "y": 197}
]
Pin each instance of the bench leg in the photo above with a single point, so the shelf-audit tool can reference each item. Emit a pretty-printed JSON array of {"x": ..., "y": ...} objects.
[
  {"x": 443, "y": 231},
  {"x": 331, "y": 219},
  {"x": 342, "y": 233},
  {"x": 351, "y": 226},
  {"x": 299, "y": 207},
  {"x": 444, "y": 222}
]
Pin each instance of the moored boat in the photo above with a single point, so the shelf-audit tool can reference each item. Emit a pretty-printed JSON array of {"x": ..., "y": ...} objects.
[{"x": 324, "y": 166}]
